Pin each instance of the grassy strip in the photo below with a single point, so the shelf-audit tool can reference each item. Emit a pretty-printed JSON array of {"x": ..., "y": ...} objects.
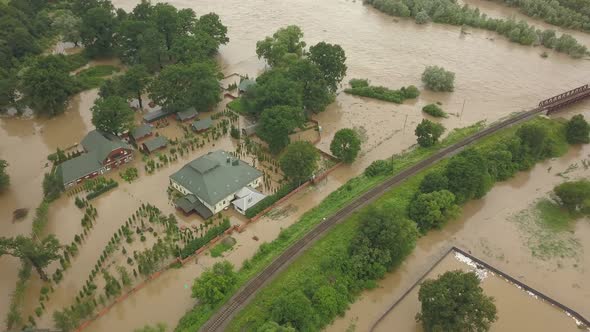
[
  {"x": 316, "y": 265},
  {"x": 236, "y": 106},
  {"x": 330, "y": 205},
  {"x": 14, "y": 317},
  {"x": 219, "y": 249},
  {"x": 93, "y": 77}
]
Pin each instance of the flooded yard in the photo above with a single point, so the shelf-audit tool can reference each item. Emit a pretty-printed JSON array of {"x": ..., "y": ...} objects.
[
  {"x": 494, "y": 79},
  {"x": 517, "y": 310}
]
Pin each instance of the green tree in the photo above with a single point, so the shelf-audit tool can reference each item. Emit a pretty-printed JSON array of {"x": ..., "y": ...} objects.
[
  {"x": 346, "y": 145},
  {"x": 112, "y": 115},
  {"x": 52, "y": 185},
  {"x": 293, "y": 309},
  {"x": 167, "y": 21},
  {"x": 273, "y": 88},
  {"x": 212, "y": 26},
  {"x": 428, "y": 133},
  {"x": 152, "y": 50},
  {"x": 188, "y": 49},
  {"x": 500, "y": 164},
  {"x": 455, "y": 302},
  {"x": 4, "y": 178},
  {"x": 48, "y": 85},
  {"x": 433, "y": 209},
  {"x": 534, "y": 140},
  {"x": 286, "y": 41},
  {"x": 468, "y": 175},
  {"x": 214, "y": 284},
  {"x": 573, "y": 195},
  {"x": 179, "y": 87},
  {"x": 299, "y": 161},
  {"x": 434, "y": 181},
  {"x": 67, "y": 25},
  {"x": 331, "y": 59},
  {"x": 135, "y": 81},
  {"x": 329, "y": 302},
  {"x": 96, "y": 32},
  {"x": 438, "y": 79},
  {"x": 38, "y": 253},
  {"x": 271, "y": 326},
  {"x": 276, "y": 123},
  {"x": 384, "y": 239},
  {"x": 316, "y": 93},
  {"x": 577, "y": 130}
]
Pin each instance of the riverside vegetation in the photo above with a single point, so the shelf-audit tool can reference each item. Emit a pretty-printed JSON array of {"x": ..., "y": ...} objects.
[
  {"x": 319, "y": 285},
  {"x": 450, "y": 12}
]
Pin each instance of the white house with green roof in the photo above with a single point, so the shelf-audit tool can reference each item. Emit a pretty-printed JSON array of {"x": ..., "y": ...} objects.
[
  {"x": 214, "y": 180},
  {"x": 103, "y": 151}
]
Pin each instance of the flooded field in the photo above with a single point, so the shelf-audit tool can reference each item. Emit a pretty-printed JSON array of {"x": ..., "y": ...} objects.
[
  {"x": 517, "y": 310},
  {"x": 494, "y": 79}
]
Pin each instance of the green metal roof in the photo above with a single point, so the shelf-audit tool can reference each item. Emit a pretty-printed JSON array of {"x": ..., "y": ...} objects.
[
  {"x": 155, "y": 143},
  {"x": 103, "y": 144},
  {"x": 79, "y": 167},
  {"x": 141, "y": 131},
  {"x": 202, "y": 124},
  {"x": 187, "y": 114},
  {"x": 215, "y": 176},
  {"x": 189, "y": 203}
]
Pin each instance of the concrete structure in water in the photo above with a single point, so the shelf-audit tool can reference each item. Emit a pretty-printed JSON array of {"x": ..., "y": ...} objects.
[
  {"x": 103, "y": 152},
  {"x": 211, "y": 182}
]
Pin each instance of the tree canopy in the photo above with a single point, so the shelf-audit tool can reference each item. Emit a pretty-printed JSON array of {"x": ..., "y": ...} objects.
[
  {"x": 438, "y": 79},
  {"x": 299, "y": 161},
  {"x": 4, "y": 178},
  {"x": 135, "y": 82},
  {"x": 96, "y": 33},
  {"x": 286, "y": 41},
  {"x": 577, "y": 130},
  {"x": 331, "y": 60},
  {"x": 468, "y": 175},
  {"x": 179, "y": 87},
  {"x": 428, "y": 133},
  {"x": 214, "y": 284},
  {"x": 39, "y": 253},
  {"x": 112, "y": 115},
  {"x": 293, "y": 309},
  {"x": 346, "y": 145},
  {"x": 273, "y": 88},
  {"x": 433, "y": 209},
  {"x": 455, "y": 302},
  {"x": 276, "y": 123},
  {"x": 574, "y": 195}
]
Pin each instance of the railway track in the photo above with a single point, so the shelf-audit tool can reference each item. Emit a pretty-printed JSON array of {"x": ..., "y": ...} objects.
[{"x": 226, "y": 312}]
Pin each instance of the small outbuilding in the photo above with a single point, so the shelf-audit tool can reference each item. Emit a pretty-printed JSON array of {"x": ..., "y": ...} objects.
[
  {"x": 202, "y": 125},
  {"x": 249, "y": 130},
  {"x": 155, "y": 115},
  {"x": 246, "y": 198},
  {"x": 141, "y": 132},
  {"x": 155, "y": 144},
  {"x": 187, "y": 115}
]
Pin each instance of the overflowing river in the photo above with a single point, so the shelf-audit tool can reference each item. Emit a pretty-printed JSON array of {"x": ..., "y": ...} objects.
[{"x": 494, "y": 78}]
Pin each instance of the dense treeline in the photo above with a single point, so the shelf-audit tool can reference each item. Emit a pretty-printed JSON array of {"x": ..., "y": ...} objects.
[
  {"x": 338, "y": 268},
  {"x": 573, "y": 14},
  {"x": 361, "y": 87},
  {"x": 150, "y": 36},
  {"x": 449, "y": 12},
  {"x": 299, "y": 81}
]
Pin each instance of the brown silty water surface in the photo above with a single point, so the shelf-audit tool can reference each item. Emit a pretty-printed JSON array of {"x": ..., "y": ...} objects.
[
  {"x": 490, "y": 230},
  {"x": 494, "y": 79},
  {"x": 517, "y": 310}
]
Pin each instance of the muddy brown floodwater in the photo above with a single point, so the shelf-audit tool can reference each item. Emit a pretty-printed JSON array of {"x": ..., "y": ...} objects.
[
  {"x": 517, "y": 310},
  {"x": 493, "y": 80}
]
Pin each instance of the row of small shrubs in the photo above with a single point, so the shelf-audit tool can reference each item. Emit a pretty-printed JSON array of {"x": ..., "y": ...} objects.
[
  {"x": 361, "y": 87},
  {"x": 270, "y": 200},
  {"x": 197, "y": 243},
  {"x": 99, "y": 190}
]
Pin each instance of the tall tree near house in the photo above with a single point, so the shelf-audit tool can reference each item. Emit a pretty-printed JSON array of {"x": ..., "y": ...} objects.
[
  {"x": 180, "y": 86},
  {"x": 112, "y": 115},
  {"x": 212, "y": 26},
  {"x": 276, "y": 124},
  {"x": 331, "y": 61},
  {"x": 98, "y": 27},
  {"x": 299, "y": 161},
  {"x": 286, "y": 41},
  {"x": 135, "y": 82},
  {"x": 39, "y": 253}
]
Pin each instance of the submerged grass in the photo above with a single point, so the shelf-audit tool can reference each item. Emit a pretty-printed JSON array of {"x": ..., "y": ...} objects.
[
  {"x": 222, "y": 247},
  {"x": 330, "y": 205}
]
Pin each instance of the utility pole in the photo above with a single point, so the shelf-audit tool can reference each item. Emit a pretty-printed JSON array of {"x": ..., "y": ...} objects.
[
  {"x": 462, "y": 109},
  {"x": 404, "y": 129}
]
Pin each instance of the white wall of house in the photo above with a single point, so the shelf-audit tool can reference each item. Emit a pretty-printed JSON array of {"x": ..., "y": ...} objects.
[{"x": 222, "y": 204}]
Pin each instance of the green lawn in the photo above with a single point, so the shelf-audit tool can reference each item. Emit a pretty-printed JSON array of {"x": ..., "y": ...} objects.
[
  {"x": 236, "y": 106},
  {"x": 94, "y": 76}
]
